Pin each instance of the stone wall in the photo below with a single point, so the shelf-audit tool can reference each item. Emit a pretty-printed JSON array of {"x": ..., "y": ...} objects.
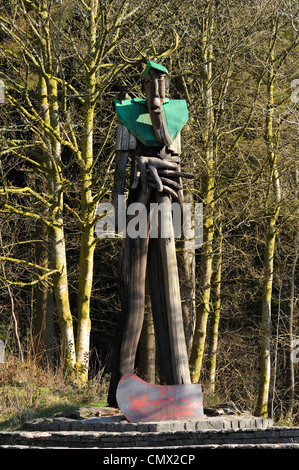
[
  {"x": 119, "y": 424},
  {"x": 137, "y": 439}
]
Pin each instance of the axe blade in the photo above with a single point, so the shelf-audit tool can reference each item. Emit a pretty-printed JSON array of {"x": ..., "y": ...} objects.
[{"x": 140, "y": 401}]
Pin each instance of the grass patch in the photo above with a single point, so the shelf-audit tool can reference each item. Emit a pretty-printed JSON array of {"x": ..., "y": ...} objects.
[{"x": 28, "y": 391}]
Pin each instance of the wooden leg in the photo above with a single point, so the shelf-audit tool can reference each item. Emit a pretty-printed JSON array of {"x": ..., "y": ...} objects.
[
  {"x": 156, "y": 285},
  {"x": 132, "y": 276},
  {"x": 136, "y": 256},
  {"x": 172, "y": 295}
]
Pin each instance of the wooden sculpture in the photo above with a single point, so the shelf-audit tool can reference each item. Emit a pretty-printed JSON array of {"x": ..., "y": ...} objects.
[{"x": 149, "y": 133}]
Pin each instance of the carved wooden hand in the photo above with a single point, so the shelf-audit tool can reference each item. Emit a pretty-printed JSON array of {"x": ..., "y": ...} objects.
[{"x": 157, "y": 173}]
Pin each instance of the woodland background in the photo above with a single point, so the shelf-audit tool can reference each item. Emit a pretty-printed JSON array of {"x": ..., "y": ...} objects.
[{"x": 63, "y": 64}]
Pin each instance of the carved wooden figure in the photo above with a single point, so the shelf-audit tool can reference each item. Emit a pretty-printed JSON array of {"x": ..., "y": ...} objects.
[{"x": 149, "y": 133}]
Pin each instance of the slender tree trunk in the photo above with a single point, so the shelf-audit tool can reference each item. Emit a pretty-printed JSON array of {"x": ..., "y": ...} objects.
[
  {"x": 186, "y": 265},
  {"x": 262, "y": 404},
  {"x": 203, "y": 310},
  {"x": 85, "y": 275},
  {"x": 215, "y": 316},
  {"x": 271, "y": 217},
  {"x": 13, "y": 313},
  {"x": 50, "y": 114},
  {"x": 61, "y": 283},
  {"x": 84, "y": 297},
  {"x": 58, "y": 239},
  {"x": 290, "y": 365},
  {"x": 87, "y": 209},
  {"x": 44, "y": 323}
]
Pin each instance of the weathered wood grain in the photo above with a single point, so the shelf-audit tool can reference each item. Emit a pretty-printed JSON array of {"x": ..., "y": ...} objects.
[
  {"x": 157, "y": 294},
  {"x": 173, "y": 297}
]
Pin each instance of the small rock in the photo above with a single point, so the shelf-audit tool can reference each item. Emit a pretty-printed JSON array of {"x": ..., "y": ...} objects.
[
  {"x": 222, "y": 409},
  {"x": 89, "y": 411},
  {"x": 213, "y": 411}
]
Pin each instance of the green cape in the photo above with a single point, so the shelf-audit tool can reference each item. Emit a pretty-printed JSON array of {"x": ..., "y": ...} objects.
[{"x": 134, "y": 115}]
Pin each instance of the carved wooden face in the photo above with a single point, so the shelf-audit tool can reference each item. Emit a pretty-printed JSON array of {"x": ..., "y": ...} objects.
[
  {"x": 155, "y": 88},
  {"x": 155, "y": 83}
]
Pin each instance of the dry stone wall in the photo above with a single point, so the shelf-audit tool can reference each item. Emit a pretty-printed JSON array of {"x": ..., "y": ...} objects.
[{"x": 271, "y": 436}]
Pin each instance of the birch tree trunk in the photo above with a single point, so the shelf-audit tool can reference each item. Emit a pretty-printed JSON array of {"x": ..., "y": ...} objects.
[
  {"x": 44, "y": 322},
  {"x": 87, "y": 206},
  {"x": 290, "y": 363},
  {"x": 272, "y": 214},
  {"x": 203, "y": 310},
  {"x": 50, "y": 107},
  {"x": 58, "y": 240},
  {"x": 215, "y": 316},
  {"x": 44, "y": 325}
]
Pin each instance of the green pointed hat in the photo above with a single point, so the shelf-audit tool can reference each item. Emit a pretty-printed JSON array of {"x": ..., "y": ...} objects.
[{"x": 154, "y": 65}]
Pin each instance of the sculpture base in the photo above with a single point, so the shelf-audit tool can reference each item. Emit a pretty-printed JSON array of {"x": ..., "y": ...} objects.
[{"x": 118, "y": 424}]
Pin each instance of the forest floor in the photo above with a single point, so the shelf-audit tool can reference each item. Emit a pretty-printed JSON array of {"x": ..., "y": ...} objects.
[{"x": 28, "y": 391}]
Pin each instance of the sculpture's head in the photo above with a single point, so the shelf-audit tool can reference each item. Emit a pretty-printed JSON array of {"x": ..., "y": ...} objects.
[{"x": 156, "y": 82}]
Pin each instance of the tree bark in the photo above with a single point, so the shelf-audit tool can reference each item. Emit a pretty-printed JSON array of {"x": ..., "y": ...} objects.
[
  {"x": 272, "y": 214},
  {"x": 203, "y": 310},
  {"x": 215, "y": 316},
  {"x": 186, "y": 266},
  {"x": 57, "y": 235},
  {"x": 88, "y": 241},
  {"x": 290, "y": 382},
  {"x": 44, "y": 322}
]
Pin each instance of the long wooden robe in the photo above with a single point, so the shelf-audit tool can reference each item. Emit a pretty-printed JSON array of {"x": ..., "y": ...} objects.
[{"x": 141, "y": 257}]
